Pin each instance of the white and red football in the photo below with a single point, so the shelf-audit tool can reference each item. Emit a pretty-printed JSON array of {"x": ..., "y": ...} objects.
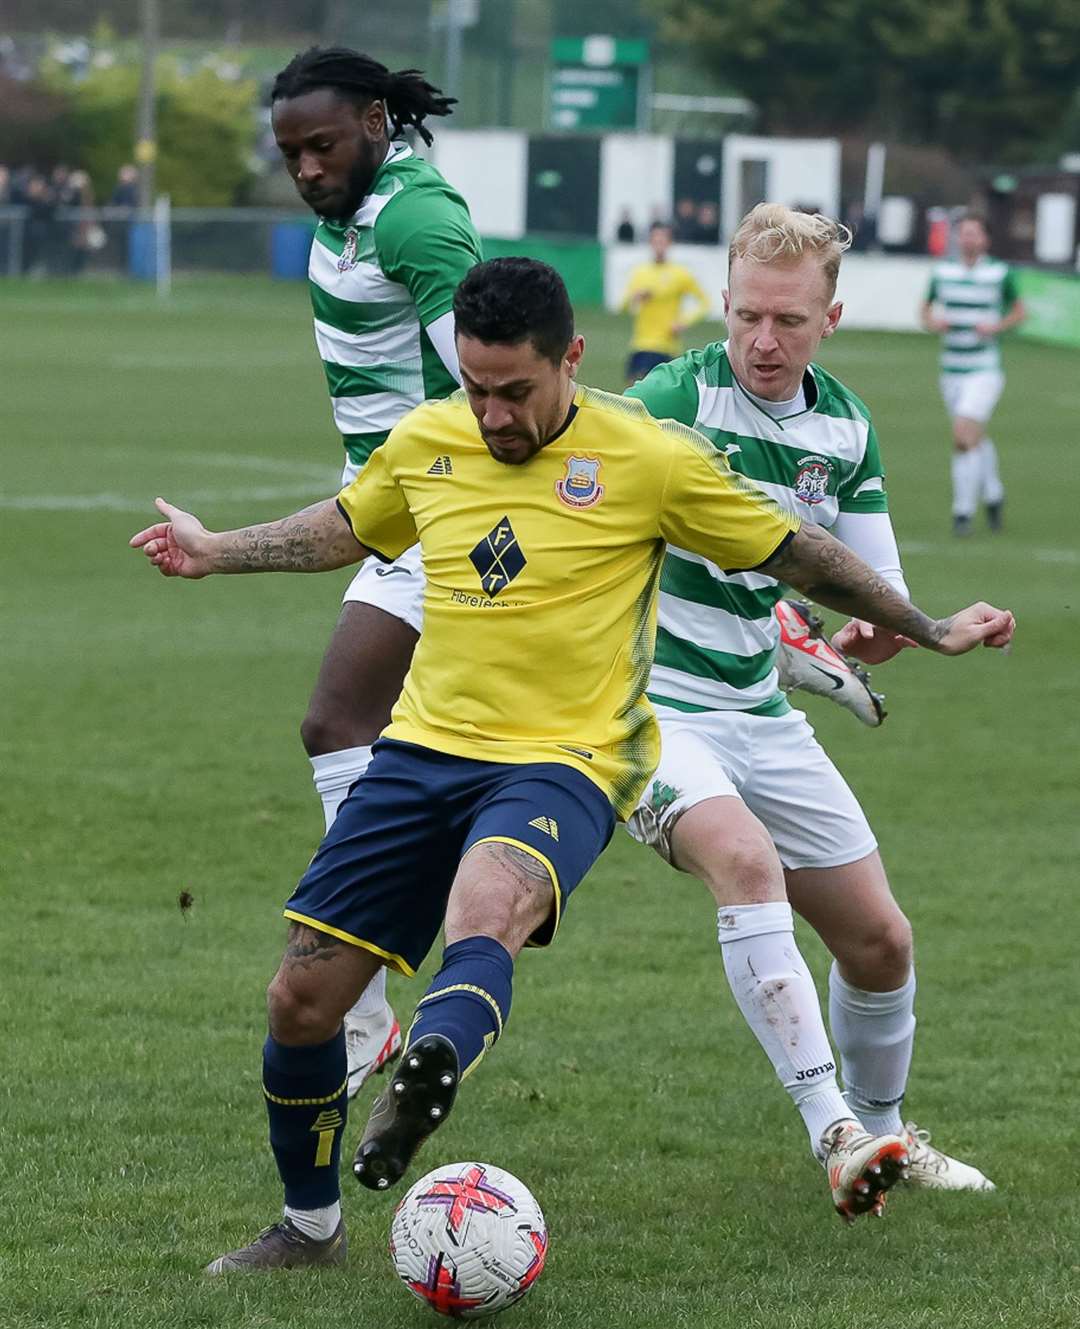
[{"x": 468, "y": 1239}]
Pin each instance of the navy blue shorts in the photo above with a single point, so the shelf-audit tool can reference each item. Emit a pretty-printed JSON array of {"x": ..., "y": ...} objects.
[
  {"x": 382, "y": 876},
  {"x": 643, "y": 362}
]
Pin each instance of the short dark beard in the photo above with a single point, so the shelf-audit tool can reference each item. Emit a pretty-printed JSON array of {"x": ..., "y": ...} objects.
[{"x": 361, "y": 178}]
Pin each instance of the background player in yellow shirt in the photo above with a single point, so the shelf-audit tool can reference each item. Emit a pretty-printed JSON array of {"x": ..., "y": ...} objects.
[
  {"x": 656, "y": 295},
  {"x": 542, "y": 510}
]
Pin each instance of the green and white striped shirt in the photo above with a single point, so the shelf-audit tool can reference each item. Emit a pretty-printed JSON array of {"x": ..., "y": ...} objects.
[
  {"x": 968, "y": 296},
  {"x": 378, "y": 283},
  {"x": 717, "y": 635}
]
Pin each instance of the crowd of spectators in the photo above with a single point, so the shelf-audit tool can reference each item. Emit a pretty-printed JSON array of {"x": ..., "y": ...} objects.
[
  {"x": 695, "y": 223},
  {"x": 55, "y": 242}
]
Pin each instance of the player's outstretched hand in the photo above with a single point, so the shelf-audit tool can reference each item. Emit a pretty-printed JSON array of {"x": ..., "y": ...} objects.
[
  {"x": 978, "y": 625},
  {"x": 178, "y": 547},
  {"x": 870, "y": 644}
]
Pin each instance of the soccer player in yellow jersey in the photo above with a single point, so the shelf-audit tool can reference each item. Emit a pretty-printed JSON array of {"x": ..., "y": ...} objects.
[
  {"x": 656, "y": 294},
  {"x": 542, "y": 509}
]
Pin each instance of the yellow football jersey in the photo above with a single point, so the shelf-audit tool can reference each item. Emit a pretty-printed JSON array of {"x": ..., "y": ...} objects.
[
  {"x": 665, "y": 287},
  {"x": 540, "y": 606}
]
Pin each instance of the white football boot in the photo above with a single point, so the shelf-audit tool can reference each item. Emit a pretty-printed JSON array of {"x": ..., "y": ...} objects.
[
  {"x": 371, "y": 1044},
  {"x": 937, "y": 1171},
  {"x": 861, "y": 1168},
  {"x": 806, "y": 660}
]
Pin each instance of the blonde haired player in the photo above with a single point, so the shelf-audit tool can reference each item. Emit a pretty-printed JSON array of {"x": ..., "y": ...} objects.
[
  {"x": 971, "y": 300},
  {"x": 744, "y": 797}
]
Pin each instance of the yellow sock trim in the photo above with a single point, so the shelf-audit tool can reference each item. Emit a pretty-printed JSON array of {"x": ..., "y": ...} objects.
[
  {"x": 307, "y": 1102},
  {"x": 467, "y": 987},
  {"x": 489, "y": 1039}
]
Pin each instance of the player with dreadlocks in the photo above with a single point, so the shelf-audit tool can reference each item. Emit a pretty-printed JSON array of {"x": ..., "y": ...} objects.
[{"x": 392, "y": 244}]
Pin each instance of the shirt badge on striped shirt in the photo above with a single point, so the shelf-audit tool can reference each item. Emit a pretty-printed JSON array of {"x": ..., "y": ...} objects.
[
  {"x": 811, "y": 483},
  {"x": 580, "y": 487},
  {"x": 348, "y": 252}
]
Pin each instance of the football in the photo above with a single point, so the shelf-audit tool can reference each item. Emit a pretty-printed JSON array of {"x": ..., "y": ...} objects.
[{"x": 468, "y": 1239}]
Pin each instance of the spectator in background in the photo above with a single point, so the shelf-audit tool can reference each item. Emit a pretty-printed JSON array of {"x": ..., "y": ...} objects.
[
  {"x": 19, "y": 185},
  {"x": 860, "y": 225},
  {"x": 656, "y": 293},
  {"x": 624, "y": 232},
  {"x": 38, "y": 243},
  {"x": 686, "y": 222},
  {"x": 85, "y": 234},
  {"x": 5, "y": 186},
  {"x": 125, "y": 192},
  {"x": 708, "y": 224},
  {"x": 64, "y": 193}
]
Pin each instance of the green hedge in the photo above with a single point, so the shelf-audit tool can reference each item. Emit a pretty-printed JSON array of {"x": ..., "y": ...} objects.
[{"x": 206, "y": 128}]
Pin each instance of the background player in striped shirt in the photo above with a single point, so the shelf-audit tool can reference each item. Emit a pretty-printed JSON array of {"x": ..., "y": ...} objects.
[
  {"x": 971, "y": 300},
  {"x": 392, "y": 243},
  {"x": 745, "y": 797},
  {"x": 657, "y": 293}
]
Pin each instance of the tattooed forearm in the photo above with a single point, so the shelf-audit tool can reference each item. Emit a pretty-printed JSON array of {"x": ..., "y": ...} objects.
[
  {"x": 830, "y": 573},
  {"x": 316, "y": 539}
]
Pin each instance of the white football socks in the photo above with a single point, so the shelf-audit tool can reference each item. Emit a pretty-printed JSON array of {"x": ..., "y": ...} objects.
[
  {"x": 319, "y": 1224},
  {"x": 993, "y": 491},
  {"x": 774, "y": 991},
  {"x": 966, "y": 482},
  {"x": 335, "y": 774},
  {"x": 874, "y": 1033}
]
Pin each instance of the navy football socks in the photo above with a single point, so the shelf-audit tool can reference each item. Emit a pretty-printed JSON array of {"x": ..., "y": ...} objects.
[
  {"x": 468, "y": 1001},
  {"x": 307, "y": 1105}
]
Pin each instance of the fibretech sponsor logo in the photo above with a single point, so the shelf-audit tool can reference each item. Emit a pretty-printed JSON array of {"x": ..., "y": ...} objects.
[
  {"x": 441, "y": 466},
  {"x": 481, "y": 601},
  {"x": 815, "y": 1071}
]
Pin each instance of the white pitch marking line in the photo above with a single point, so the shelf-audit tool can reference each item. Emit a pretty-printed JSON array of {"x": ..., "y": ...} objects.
[
  {"x": 1038, "y": 554},
  {"x": 240, "y": 461},
  {"x": 125, "y": 503}
]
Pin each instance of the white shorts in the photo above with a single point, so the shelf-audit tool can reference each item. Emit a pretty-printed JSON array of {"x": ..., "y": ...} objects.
[
  {"x": 973, "y": 395},
  {"x": 775, "y": 765},
  {"x": 396, "y": 588}
]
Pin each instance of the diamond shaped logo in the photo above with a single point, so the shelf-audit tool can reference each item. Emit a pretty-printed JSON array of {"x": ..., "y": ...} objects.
[{"x": 498, "y": 558}]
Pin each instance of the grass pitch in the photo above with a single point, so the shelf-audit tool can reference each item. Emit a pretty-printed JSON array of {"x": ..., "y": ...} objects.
[{"x": 150, "y": 747}]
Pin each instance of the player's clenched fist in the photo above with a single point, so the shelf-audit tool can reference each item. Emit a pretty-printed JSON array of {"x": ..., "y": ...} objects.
[
  {"x": 978, "y": 625},
  {"x": 179, "y": 547}
]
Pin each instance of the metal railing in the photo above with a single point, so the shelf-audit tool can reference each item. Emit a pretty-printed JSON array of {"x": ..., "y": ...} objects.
[{"x": 68, "y": 242}]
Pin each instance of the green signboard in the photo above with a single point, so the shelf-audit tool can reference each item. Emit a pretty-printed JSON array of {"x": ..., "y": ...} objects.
[
  {"x": 1053, "y": 305},
  {"x": 596, "y": 83}
]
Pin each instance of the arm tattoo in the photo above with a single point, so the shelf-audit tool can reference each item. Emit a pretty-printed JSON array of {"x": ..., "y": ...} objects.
[
  {"x": 315, "y": 539},
  {"x": 830, "y": 573}
]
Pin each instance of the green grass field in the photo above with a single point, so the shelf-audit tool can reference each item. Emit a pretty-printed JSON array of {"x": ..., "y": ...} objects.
[{"x": 150, "y": 746}]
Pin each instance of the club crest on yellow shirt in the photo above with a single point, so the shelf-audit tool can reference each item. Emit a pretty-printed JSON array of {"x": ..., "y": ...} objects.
[{"x": 580, "y": 487}]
